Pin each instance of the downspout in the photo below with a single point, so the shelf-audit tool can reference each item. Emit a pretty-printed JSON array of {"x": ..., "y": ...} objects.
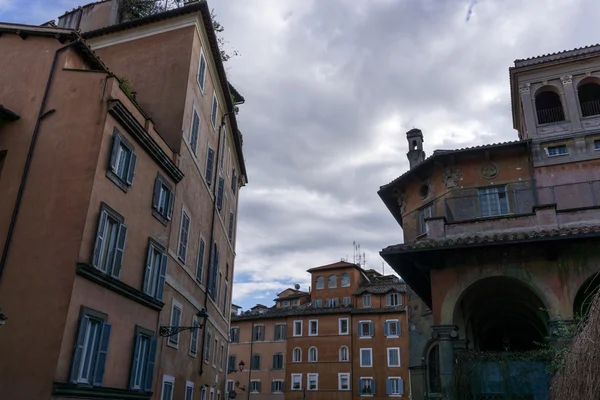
[
  {"x": 251, "y": 354},
  {"x": 532, "y": 174},
  {"x": 34, "y": 136}
]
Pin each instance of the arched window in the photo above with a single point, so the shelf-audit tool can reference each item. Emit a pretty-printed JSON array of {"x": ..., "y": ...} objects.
[
  {"x": 320, "y": 283},
  {"x": 297, "y": 355},
  {"x": 346, "y": 280},
  {"x": 548, "y": 106},
  {"x": 332, "y": 281},
  {"x": 589, "y": 97},
  {"x": 312, "y": 354},
  {"x": 433, "y": 370},
  {"x": 343, "y": 353}
]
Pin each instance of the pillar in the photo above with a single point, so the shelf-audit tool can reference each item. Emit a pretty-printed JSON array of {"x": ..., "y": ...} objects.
[
  {"x": 572, "y": 102},
  {"x": 446, "y": 336},
  {"x": 528, "y": 111}
]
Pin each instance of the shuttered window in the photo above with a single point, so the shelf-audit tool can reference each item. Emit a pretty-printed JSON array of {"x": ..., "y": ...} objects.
[
  {"x": 220, "y": 193},
  {"x": 122, "y": 161},
  {"x": 210, "y": 163},
  {"x": 110, "y": 241},
  {"x": 493, "y": 201},
  {"x": 163, "y": 198},
  {"x": 394, "y": 386},
  {"x": 183, "y": 236},
  {"x": 194, "y": 132},
  {"x": 156, "y": 271},
  {"x": 91, "y": 348},
  {"x": 200, "y": 261},
  {"x": 201, "y": 71},
  {"x": 142, "y": 365}
]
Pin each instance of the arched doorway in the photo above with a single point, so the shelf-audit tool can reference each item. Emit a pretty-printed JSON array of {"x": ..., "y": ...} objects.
[
  {"x": 585, "y": 295},
  {"x": 502, "y": 314},
  {"x": 548, "y": 105},
  {"x": 588, "y": 92}
]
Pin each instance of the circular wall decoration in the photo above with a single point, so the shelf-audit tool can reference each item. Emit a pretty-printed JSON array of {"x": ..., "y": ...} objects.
[
  {"x": 490, "y": 170},
  {"x": 424, "y": 191}
]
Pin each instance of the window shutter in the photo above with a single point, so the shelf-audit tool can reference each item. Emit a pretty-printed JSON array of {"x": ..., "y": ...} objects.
[
  {"x": 134, "y": 361},
  {"x": 99, "y": 238},
  {"x": 230, "y": 230},
  {"x": 401, "y": 386},
  {"x": 161, "y": 277},
  {"x": 273, "y": 387},
  {"x": 156, "y": 197},
  {"x": 220, "y": 194},
  {"x": 118, "y": 260},
  {"x": 284, "y": 333},
  {"x": 148, "y": 273},
  {"x": 373, "y": 386},
  {"x": 194, "y": 132},
  {"x": 114, "y": 152},
  {"x": 209, "y": 166},
  {"x": 150, "y": 365},
  {"x": 386, "y": 328},
  {"x": 102, "y": 353},
  {"x": 359, "y": 330},
  {"x": 131, "y": 171},
  {"x": 211, "y": 280},
  {"x": 78, "y": 349},
  {"x": 275, "y": 361},
  {"x": 171, "y": 202},
  {"x": 399, "y": 327},
  {"x": 388, "y": 386},
  {"x": 200, "y": 261},
  {"x": 372, "y": 329},
  {"x": 258, "y": 386},
  {"x": 233, "y": 181},
  {"x": 360, "y": 386}
]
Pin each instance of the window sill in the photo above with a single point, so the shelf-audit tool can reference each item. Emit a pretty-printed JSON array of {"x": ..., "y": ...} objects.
[
  {"x": 163, "y": 220},
  {"x": 173, "y": 345},
  {"x": 117, "y": 181},
  {"x": 393, "y": 336},
  {"x": 61, "y": 389}
]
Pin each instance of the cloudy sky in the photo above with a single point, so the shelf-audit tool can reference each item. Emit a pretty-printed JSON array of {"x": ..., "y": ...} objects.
[{"x": 331, "y": 87}]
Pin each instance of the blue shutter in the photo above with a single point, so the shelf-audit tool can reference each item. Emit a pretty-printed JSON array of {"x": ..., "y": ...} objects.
[
  {"x": 118, "y": 260},
  {"x": 388, "y": 386},
  {"x": 99, "y": 238},
  {"x": 161, "y": 277},
  {"x": 373, "y": 386},
  {"x": 220, "y": 194},
  {"x": 148, "y": 273},
  {"x": 149, "y": 374},
  {"x": 170, "y": 205},
  {"x": 156, "y": 197},
  {"x": 233, "y": 181},
  {"x": 200, "y": 261},
  {"x": 194, "y": 132},
  {"x": 359, "y": 330},
  {"x": 78, "y": 349},
  {"x": 273, "y": 387},
  {"x": 360, "y": 386},
  {"x": 372, "y": 329},
  {"x": 230, "y": 229},
  {"x": 102, "y": 353},
  {"x": 131, "y": 171},
  {"x": 209, "y": 166},
  {"x": 211, "y": 280},
  {"x": 201, "y": 70},
  {"x": 114, "y": 152},
  {"x": 399, "y": 327},
  {"x": 275, "y": 364},
  {"x": 134, "y": 361},
  {"x": 386, "y": 328},
  {"x": 258, "y": 386}
]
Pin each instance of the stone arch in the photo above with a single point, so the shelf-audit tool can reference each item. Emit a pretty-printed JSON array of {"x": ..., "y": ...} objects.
[
  {"x": 548, "y": 105},
  {"x": 588, "y": 94},
  {"x": 584, "y": 296}
]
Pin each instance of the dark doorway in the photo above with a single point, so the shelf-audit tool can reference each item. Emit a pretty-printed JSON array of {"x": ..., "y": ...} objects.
[{"x": 549, "y": 107}]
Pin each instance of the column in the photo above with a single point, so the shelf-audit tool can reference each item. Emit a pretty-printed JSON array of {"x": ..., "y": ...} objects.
[
  {"x": 528, "y": 111},
  {"x": 446, "y": 336},
  {"x": 572, "y": 102}
]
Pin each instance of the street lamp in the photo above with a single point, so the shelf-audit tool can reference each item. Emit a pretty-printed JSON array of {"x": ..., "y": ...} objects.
[
  {"x": 241, "y": 365},
  {"x": 3, "y": 318},
  {"x": 166, "y": 331}
]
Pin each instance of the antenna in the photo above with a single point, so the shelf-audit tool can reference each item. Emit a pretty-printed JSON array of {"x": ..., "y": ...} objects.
[{"x": 297, "y": 286}]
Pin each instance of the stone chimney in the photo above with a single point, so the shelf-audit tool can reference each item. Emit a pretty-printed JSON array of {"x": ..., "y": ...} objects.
[{"x": 415, "y": 154}]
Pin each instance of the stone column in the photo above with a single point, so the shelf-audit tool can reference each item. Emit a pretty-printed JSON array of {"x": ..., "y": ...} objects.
[
  {"x": 446, "y": 336},
  {"x": 572, "y": 102},
  {"x": 529, "y": 110}
]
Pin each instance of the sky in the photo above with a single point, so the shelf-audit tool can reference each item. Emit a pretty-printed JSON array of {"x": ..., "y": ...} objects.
[{"x": 331, "y": 88}]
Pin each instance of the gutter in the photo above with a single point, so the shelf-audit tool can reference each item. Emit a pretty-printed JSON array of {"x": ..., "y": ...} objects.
[{"x": 41, "y": 115}]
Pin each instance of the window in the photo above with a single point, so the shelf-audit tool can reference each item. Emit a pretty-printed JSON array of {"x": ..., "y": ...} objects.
[
  {"x": 280, "y": 332},
  {"x": 207, "y": 347},
  {"x": 297, "y": 355},
  {"x": 210, "y": 161},
  {"x": 220, "y": 193},
  {"x": 255, "y": 361},
  {"x": 156, "y": 271},
  {"x": 222, "y": 356},
  {"x": 194, "y": 131},
  {"x": 548, "y": 106},
  {"x": 393, "y": 299},
  {"x": 167, "y": 387},
  {"x": 597, "y": 144},
  {"x": 559, "y": 150},
  {"x": 162, "y": 199},
  {"x": 142, "y": 366},
  {"x": 277, "y": 386},
  {"x": 235, "y": 335},
  {"x": 424, "y": 213},
  {"x": 313, "y": 381},
  {"x": 392, "y": 328},
  {"x": 231, "y": 364},
  {"x": 223, "y": 145},
  {"x": 320, "y": 284},
  {"x": 297, "y": 328},
  {"x": 277, "y": 361},
  {"x": 110, "y": 242},
  {"x": 122, "y": 161},
  {"x": 343, "y": 381},
  {"x": 394, "y": 386},
  {"x": 285, "y": 303},
  {"x": 393, "y": 355},
  {"x": 332, "y": 281},
  {"x": 189, "y": 390},
  {"x": 258, "y": 333},
  {"x": 91, "y": 348},
  {"x": 203, "y": 393},
  {"x": 215, "y": 351},
  {"x": 366, "y": 359},
  {"x": 493, "y": 201},
  {"x": 365, "y": 329},
  {"x": 343, "y": 326},
  {"x": 255, "y": 386},
  {"x": 296, "y": 381},
  {"x": 175, "y": 321},
  {"x": 200, "y": 261},
  {"x": 318, "y": 303},
  {"x": 201, "y": 71},
  {"x": 233, "y": 181},
  {"x": 333, "y": 302},
  {"x": 347, "y": 301},
  {"x": 212, "y": 394},
  {"x": 183, "y": 236},
  {"x": 220, "y": 277},
  {"x": 194, "y": 337},
  {"x": 229, "y": 386},
  {"x": 366, "y": 300},
  {"x": 313, "y": 327},
  {"x": 313, "y": 354},
  {"x": 225, "y": 291},
  {"x": 344, "y": 353},
  {"x": 295, "y": 302},
  {"x": 588, "y": 92},
  {"x": 230, "y": 228},
  {"x": 212, "y": 272},
  {"x": 366, "y": 386},
  {"x": 345, "y": 280},
  {"x": 214, "y": 111}
]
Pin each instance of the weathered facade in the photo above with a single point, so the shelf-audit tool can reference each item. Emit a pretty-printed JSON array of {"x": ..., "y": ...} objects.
[
  {"x": 501, "y": 240},
  {"x": 346, "y": 339}
]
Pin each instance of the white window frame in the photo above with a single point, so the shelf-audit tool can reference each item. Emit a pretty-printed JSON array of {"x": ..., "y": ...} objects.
[
  {"x": 347, "y": 375},
  {"x": 340, "y": 326},
  {"x": 301, "y": 327},
  {"x": 237, "y": 329},
  {"x": 397, "y": 323},
  {"x": 187, "y": 242},
  {"x": 312, "y": 375},
  {"x": 292, "y": 381},
  {"x": 203, "y": 393},
  {"x": 360, "y": 333},
  {"x": 390, "y": 349},
  {"x": 214, "y": 123},
  {"x": 398, "y": 378},
  {"x": 388, "y": 299},
  {"x": 316, "y": 359},
  {"x": 194, "y": 150},
  {"x": 167, "y": 379},
  {"x": 366, "y": 296},
  {"x": 202, "y": 85},
  {"x": 212, "y": 393},
  {"x": 310, "y": 323},
  {"x": 218, "y": 394},
  {"x": 230, "y": 383},
  {"x": 347, "y": 353},
  {"x": 555, "y": 147},
  {"x": 194, "y": 333},
  {"x": 262, "y": 326},
  {"x": 282, "y": 385},
  {"x": 366, "y": 377},
  {"x": 173, "y": 340},
  {"x": 349, "y": 280},
  {"x": 361, "y": 357},
  {"x": 300, "y": 351},
  {"x": 317, "y": 283},
  {"x": 189, "y": 384},
  {"x": 254, "y": 391}
]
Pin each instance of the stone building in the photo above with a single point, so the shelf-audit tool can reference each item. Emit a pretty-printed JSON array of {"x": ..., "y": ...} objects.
[
  {"x": 345, "y": 339},
  {"x": 126, "y": 131},
  {"x": 501, "y": 240}
]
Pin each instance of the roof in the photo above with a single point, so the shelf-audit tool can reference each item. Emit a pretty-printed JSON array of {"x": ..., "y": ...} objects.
[
  {"x": 235, "y": 306},
  {"x": 259, "y": 306},
  {"x": 202, "y": 7},
  {"x": 238, "y": 98},
  {"x": 381, "y": 288},
  {"x": 335, "y": 265},
  {"x": 560, "y": 55},
  {"x": 293, "y": 296},
  {"x": 8, "y": 115}
]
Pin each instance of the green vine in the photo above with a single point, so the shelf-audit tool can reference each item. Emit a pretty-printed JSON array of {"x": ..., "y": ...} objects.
[{"x": 125, "y": 86}]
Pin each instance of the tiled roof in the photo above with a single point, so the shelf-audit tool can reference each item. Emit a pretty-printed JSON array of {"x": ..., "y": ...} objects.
[
  {"x": 380, "y": 288},
  {"x": 292, "y": 296},
  {"x": 336, "y": 265},
  {"x": 561, "y": 55},
  {"x": 479, "y": 240}
]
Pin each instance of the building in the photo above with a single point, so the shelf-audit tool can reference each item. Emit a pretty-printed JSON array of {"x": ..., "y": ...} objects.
[
  {"x": 345, "y": 339},
  {"x": 501, "y": 240},
  {"x": 140, "y": 164}
]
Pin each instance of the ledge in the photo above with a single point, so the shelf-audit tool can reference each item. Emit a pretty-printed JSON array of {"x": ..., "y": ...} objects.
[
  {"x": 117, "y": 286},
  {"x": 96, "y": 392}
]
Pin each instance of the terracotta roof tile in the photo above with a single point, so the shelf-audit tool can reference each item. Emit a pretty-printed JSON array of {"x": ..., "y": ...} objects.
[
  {"x": 336, "y": 265},
  {"x": 560, "y": 55},
  {"x": 308, "y": 309},
  {"x": 381, "y": 288}
]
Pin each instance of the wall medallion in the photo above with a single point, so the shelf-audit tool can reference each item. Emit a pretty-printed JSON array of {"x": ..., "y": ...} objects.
[{"x": 490, "y": 170}]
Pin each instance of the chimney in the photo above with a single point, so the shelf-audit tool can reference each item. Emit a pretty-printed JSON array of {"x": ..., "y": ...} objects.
[{"x": 415, "y": 154}]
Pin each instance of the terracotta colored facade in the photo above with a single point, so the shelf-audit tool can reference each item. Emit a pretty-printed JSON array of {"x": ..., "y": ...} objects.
[
  {"x": 501, "y": 240},
  {"x": 332, "y": 348}
]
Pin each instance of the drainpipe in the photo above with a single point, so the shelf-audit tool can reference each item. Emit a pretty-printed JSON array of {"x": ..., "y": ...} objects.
[
  {"x": 250, "y": 370},
  {"x": 41, "y": 115},
  {"x": 532, "y": 174}
]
